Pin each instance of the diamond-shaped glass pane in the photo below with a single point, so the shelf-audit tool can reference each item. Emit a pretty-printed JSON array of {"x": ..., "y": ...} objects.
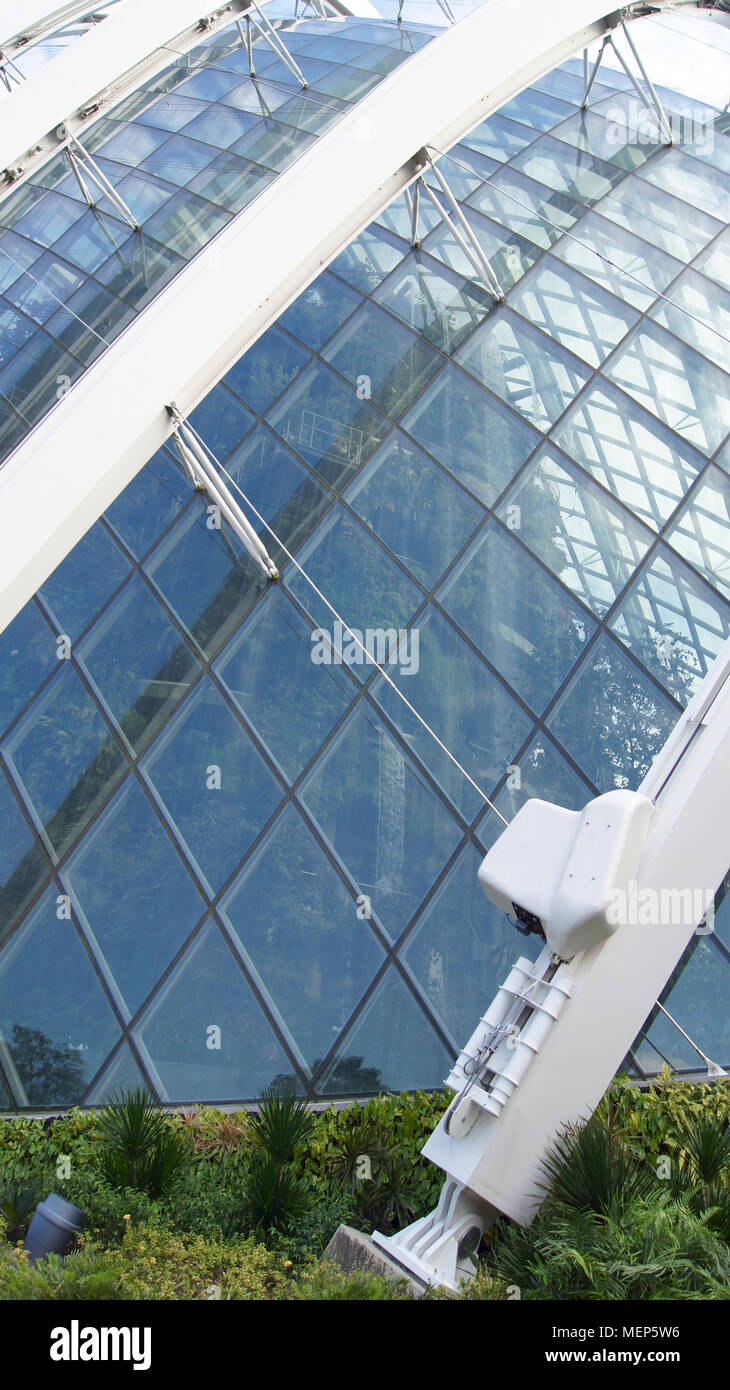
[{"x": 312, "y": 952}]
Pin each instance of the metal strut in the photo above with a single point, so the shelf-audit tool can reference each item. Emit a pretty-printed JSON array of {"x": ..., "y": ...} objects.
[
  {"x": 463, "y": 233},
  {"x": 84, "y": 168},
  {"x": 651, "y": 102},
  {"x": 264, "y": 29},
  {"x": 205, "y": 478},
  {"x": 10, "y": 72}
]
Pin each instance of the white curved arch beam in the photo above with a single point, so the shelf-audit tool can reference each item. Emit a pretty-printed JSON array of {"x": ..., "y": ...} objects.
[
  {"x": 39, "y": 18},
  {"x": 136, "y": 40},
  {"x": 101, "y": 433}
]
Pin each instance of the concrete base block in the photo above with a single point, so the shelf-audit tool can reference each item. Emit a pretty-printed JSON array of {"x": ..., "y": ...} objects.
[{"x": 352, "y": 1250}]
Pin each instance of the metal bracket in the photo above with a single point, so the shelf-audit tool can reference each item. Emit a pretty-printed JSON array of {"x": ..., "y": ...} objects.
[
  {"x": 651, "y": 102},
  {"x": 205, "y": 477},
  {"x": 463, "y": 233},
  {"x": 84, "y": 167},
  {"x": 264, "y": 29}
]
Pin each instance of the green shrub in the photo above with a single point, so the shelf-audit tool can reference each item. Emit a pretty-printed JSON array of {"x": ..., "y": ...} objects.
[
  {"x": 326, "y": 1283},
  {"x": 17, "y": 1205},
  {"x": 139, "y": 1147},
  {"x": 151, "y": 1263}
]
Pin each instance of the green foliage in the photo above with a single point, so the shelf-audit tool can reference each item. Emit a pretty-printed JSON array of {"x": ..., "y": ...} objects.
[
  {"x": 151, "y": 1263},
  {"x": 656, "y": 1248},
  {"x": 283, "y": 1124},
  {"x": 17, "y": 1205},
  {"x": 650, "y": 1120},
  {"x": 588, "y": 1169},
  {"x": 139, "y": 1147},
  {"x": 611, "y": 1228},
  {"x": 276, "y": 1198},
  {"x": 326, "y": 1283},
  {"x": 389, "y": 1131}
]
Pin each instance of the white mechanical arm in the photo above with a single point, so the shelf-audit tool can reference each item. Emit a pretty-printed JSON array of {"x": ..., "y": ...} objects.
[{"x": 559, "y": 1028}]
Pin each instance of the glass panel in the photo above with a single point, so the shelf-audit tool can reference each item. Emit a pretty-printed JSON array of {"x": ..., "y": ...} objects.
[
  {"x": 540, "y": 771},
  {"x": 470, "y": 433},
  {"x": 522, "y": 621},
  {"x": 526, "y": 369},
  {"x": 382, "y": 360},
  {"x": 273, "y": 145},
  {"x": 221, "y": 421},
  {"x": 462, "y": 948},
  {"x": 698, "y": 312},
  {"x": 83, "y": 582},
  {"x": 675, "y": 383},
  {"x": 49, "y": 217},
  {"x": 219, "y": 126},
  {"x": 397, "y": 218},
  {"x": 283, "y": 491},
  {"x": 273, "y": 652},
  {"x": 390, "y": 1047},
  {"x": 214, "y": 786},
  {"x": 509, "y": 255},
  {"x": 535, "y": 108},
  {"x": 590, "y": 544},
  {"x": 700, "y": 185},
  {"x": 386, "y": 827},
  {"x": 465, "y": 705},
  {"x": 30, "y": 380},
  {"x": 149, "y": 503},
  {"x": 702, "y": 530},
  {"x": 612, "y": 719},
  {"x": 415, "y": 508},
  {"x": 499, "y": 138},
  {"x": 138, "y": 662},
  {"x": 27, "y": 654},
  {"x": 615, "y": 140},
  {"x": 22, "y": 866},
  {"x": 299, "y": 932},
  {"x": 171, "y": 112},
  {"x": 432, "y": 301},
  {"x": 697, "y": 998},
  {"x": 122, "y": 1074},
  {"x": 132, "y": 894},
  {"x": 524, "y": 206},
  {"x": 581, "y": 177},
  {"x": 93, "y": 239},
  {"x": 304, "y": 113},
  {"x": 266, "y": 369},
  {"x": 54, "y": 1016},
  {"x": 369, "y": 258},
  {"x": 572, "y": 310},
  {"x": 320, "y": 310},
  {"x": 363, "y": 584},
  {"x": 132, "y": 143},
  {"x": 666, "y": 222},
  {"x": 260, "y": 97},
  {"x": 648, "y": 468},
  {"x": 618, "y": 260},
  {"x": 227, "y": 580},
  {"x": 673, "y": 623},
  {"x": 186, "y": 224},
  {"x": 231, "y": 182},
  {"x": 63, "y": 730},
  {"x": 140, "y": 272},
  {"x": 715, "y": 261},
  {"x": 208, "y": 990},
  {"x": 322, "y": 418}
]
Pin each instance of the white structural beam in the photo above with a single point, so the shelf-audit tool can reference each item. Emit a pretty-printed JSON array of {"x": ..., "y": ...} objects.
[
  {"x": 136, "y": 40},
  {"x": 24, "y": 21},
  {"x": 103, "y": 431},
  {"x": 615, "y": 984}
]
